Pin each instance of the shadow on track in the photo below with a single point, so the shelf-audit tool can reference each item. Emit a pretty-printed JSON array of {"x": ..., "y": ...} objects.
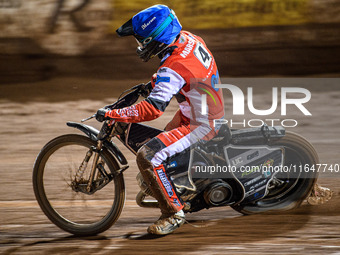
[{"x": 239, "y": 230}]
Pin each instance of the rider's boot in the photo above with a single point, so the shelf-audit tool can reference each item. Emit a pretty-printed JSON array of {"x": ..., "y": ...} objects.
[{"x": 319, "y": 195}]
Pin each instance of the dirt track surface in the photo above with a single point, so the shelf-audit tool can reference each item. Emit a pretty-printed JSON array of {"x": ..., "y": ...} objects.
[{"x": 32, "y": 115}]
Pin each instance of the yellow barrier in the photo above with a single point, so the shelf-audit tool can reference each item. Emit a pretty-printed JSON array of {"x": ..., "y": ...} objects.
[{"x": 205, "y": 14}]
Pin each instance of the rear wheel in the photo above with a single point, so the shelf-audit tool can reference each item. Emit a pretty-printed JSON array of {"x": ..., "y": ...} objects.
[
  {"x": 289, "y": 189},
  {"x": 64, "y": 200}
]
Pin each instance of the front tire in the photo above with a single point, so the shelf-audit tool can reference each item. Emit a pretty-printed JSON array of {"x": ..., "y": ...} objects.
[
  {"x": 73, "y": 211},
  {"x": 298, "y": 151}
]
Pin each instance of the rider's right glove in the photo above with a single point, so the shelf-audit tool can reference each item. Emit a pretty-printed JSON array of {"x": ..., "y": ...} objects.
[{"x": 100, "y": 115}]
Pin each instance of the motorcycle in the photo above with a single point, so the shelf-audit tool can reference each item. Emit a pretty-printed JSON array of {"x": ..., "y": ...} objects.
[{"x": 78, "y": 180}]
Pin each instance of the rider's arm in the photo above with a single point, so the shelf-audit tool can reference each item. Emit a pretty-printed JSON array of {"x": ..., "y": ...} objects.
[{"x": 168, "y": 83}]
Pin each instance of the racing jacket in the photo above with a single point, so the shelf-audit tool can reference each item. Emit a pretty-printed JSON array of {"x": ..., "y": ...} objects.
[{"x": 187, "y": 71}]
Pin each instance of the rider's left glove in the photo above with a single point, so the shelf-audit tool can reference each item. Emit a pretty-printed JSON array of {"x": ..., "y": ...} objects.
[
  {"x": 145, "y": 89},
  {"x": 100, "y": 115}
]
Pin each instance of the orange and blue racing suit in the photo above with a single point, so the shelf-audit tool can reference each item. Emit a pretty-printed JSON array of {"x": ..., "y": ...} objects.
[{"x": 189, "y": 73}]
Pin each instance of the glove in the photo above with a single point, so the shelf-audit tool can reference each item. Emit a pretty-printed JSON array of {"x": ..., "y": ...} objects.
[
  {"x": 100, "y": 115},
  {"x": 145, "y": 89}
]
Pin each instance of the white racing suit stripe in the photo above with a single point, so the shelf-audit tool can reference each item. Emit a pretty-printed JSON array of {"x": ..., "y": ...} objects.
[
  {"x": 180, "y": 145},
  {"x": 168, "y": 84}
]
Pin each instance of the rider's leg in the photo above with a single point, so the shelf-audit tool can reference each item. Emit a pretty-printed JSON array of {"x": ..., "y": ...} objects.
[
  {"x": 150, "y": 160},
  {"x": 163, "y": 190},
  {"x": 157, "y": 179}
]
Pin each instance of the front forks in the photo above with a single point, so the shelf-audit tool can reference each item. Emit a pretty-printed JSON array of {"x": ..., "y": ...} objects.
[
  {"x": 94, "y": 165},
  {"x": 98, "y": 177}
]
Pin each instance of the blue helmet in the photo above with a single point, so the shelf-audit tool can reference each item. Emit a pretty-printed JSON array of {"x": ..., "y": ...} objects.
[{"x": 154, "y": 28}]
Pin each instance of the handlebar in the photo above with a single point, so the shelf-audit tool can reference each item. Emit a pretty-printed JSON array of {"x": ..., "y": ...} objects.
[
  {"x": 123, "y": 100},
  {"x": 88, "y": 118}
]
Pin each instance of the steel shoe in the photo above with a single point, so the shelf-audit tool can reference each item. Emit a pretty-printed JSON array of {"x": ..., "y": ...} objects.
[{"x": 167, "y": 224}]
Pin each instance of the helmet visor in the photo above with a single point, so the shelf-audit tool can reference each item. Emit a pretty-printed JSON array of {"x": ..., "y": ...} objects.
[{"x": 126, "y": 29}]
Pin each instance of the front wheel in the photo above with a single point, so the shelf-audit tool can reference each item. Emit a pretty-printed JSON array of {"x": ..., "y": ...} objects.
[
  {"x": 290, "y": 189},
  {"x": 64, "y": 201}
]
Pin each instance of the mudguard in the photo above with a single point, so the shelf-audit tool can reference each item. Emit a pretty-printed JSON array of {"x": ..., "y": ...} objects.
[{"x": 92, "y": 133}]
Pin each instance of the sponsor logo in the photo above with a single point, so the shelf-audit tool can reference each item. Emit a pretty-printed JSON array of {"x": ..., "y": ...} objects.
[
  {"x": 266, "y": 172},
  {"x": 181, "y": 40},
  {"x": 128, "y": 112},
  {"x": 173, "y": 164},
  {"x": 258, "y": 186},
  {"x": 145, "y": 25},
  {"x": 162, "y": 70},
  {"x": 253, "y": 169},
  {"x": 162, "y": 79},
  {"x": 252, "y": 181},
  {"x": 176, "y": 202},
  {"x": 268, "y": 163},
  {"x": 256, "y": 195},
  {"x": 264, "y": 167},
  {"x": 165, "y": 182},
  {"x": 188, "y": 48},
  {"x": 237, "y": 161},
  {"x": 253, "y": 155}
]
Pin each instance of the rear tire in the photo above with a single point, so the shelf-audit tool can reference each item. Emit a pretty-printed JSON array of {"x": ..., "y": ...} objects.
[
  {"x": 76, "y": 212},
  {"x": 298, "y": 151}
]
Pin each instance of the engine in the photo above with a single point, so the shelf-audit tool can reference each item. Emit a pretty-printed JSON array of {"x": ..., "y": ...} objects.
[{"x": 218, "y": 193}]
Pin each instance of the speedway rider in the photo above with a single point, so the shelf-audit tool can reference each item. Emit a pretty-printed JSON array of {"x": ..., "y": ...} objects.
[{"x": 185, "y": 60}]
